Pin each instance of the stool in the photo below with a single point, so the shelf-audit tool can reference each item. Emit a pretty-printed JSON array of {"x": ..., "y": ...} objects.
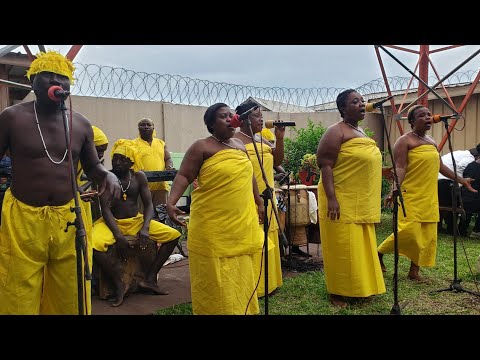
[{"x": 133, "y": 270}]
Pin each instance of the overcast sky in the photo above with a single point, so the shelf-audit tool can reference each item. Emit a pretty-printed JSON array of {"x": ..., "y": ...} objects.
[{"x": 292, "y": 66}]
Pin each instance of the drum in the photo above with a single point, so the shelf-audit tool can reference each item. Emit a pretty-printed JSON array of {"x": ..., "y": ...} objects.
[
  {"x": 298, "y": 235},
  {"x": 298, "y": 205},
  {"x": 133, "y": 270},
  {"x": 313, "y": 230}
]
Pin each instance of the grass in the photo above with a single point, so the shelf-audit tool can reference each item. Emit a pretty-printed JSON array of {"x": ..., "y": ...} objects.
[{"x": 306, "y": 293}]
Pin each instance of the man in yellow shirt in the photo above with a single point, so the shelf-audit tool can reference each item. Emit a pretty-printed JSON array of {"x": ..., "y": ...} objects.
[{"x": 154, "y": 157}]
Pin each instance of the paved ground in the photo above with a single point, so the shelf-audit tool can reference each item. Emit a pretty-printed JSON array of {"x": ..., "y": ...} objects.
[{"x": 175, "y": 279}]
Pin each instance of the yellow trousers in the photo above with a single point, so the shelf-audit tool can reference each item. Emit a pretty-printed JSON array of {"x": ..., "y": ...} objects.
[{"x": 38, "y": 266}]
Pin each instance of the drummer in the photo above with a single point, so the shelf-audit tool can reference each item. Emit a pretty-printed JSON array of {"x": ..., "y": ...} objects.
[{"x": 121, "y": 218}]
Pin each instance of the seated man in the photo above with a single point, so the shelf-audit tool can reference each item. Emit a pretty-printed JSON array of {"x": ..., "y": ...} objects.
[{"x": 122, "y": 218}]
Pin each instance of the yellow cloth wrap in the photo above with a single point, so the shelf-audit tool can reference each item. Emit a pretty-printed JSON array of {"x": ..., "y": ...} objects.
[
  {"x": 223, "y": 213},
  {"x": 350, "y": 259},
  {"x": 38, "y": 267},
  {"x": 275, "y": 279},
  {"x": 357, "y": 176},
  {"x": 267, "y": 134},
  {"x": 158, "y": 232},
  {"x": 222, "y": 286},
  {"x": 349, "y": 244},
  {"x": 417, "y": 233},
  {"x": 52, "y": 61},
  {"x": 153, "y": 159},
  {"x": 223, "y": 236},
  {"x": 274, "y": 261},
  {"x": 99, "y": 137},
  {"x": 128, "y": 149}
]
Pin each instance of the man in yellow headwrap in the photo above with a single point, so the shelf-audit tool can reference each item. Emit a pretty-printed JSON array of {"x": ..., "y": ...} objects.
[
  {"x": 122, "y": 218},
  {"x": 38, "y": 261},
  {"x": 418, "y": 164},
  {"x": 155, "y": 157}
]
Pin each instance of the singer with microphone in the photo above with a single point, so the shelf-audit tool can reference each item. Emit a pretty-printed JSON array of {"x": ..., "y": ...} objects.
[
  {"x": 418, "y": 164},
  {"x": 224, "y": 232},
  {"x": 270, "y": 157},
  {"x": 38, "y": 260},
  {"x": 349, "y": 202}
]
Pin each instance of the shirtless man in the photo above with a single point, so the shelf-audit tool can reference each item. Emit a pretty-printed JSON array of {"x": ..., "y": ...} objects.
[
  {"x": 122, "y": 218},
  {"x": 38, "y": 272}
]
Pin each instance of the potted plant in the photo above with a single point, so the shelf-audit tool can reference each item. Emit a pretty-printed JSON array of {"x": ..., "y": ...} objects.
[{"x": 308, "y": 170}]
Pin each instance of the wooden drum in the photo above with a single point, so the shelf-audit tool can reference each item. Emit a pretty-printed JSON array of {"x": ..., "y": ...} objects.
[
  {"x": 133, "y": 270},
  {"x": 297, "y": 213}
]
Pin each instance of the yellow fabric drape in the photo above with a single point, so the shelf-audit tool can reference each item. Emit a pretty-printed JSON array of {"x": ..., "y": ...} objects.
[
  {"x": 223, "y": 213},
  {"x": 223, "y": 236},
  {"x": 357, "y": 176},
  {"x": 417, "y": 233},
  {"x": 349, "y": 245},
  {"x": 38, "y": 259},
  {"x": 158, "y": 232},
  {"x": 267, "y": 134},
  {"x": 153, "y": 159},
  {"x": 274, "y": 262}
]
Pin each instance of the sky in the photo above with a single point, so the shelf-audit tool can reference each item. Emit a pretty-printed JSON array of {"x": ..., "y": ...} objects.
[{"x": 291, "y": 66}]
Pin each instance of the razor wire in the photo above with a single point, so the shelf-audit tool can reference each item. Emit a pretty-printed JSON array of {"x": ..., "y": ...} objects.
[{"x": 120, "y": 83}]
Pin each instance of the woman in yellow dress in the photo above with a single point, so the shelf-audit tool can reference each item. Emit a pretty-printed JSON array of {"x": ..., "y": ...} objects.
[
  {"x": 349, "y": 201},
  {"x": 418, "y": 163},
  {"x": 269, "y": 158},
  {"x": 223, "y": 231}
]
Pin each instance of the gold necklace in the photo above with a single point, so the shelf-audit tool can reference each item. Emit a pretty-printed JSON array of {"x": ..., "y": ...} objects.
[
  {"x": 423, "y": 138},
  {"x": 355, "y": 128},
  {"x": 124, "y": 191},
  {"x": 43, "y": 141}
]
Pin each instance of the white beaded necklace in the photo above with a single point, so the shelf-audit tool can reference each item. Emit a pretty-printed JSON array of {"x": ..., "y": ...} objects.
[
  {"x": 233, "y": 147},
  {"x": 43, "y": 141},
  {"x": 124, "y": 191},
  {"x": 353, "y": 127},
  {"x": 423, "y": 138}
]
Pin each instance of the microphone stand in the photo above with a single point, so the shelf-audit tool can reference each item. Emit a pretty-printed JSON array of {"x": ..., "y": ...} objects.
[
  {"x": 267, "y": 194},
  {"x": 80, "y": 235},
  {"x": 455, "y": 285},
  {"x": 396, "y": 196}
]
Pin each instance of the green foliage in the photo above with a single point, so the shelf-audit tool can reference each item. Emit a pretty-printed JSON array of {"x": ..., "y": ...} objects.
[{"x": 305, "y": 142}]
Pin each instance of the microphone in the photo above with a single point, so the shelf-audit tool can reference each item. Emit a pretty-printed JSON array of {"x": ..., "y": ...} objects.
[
  {"x": 369, "y": 107},
  {"x": 269, "y": 124},
  {"x": 56, "y": 93},
  {"x": 437, "y": 118},
  {"x": 237, "y": 120}
]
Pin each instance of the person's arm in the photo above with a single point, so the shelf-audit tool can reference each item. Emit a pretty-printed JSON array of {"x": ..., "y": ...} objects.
[
  {"x": 189, "y": 169},
  {"x": 5, "y": 119},
  {"x": 146, "y": 197},
  {"x": 279, "y": 150},
  {"x": 121, "y": 242},
  {"x": 167, "y": 158},
  {"x": 400, "y": 154},
  {"x": 445, "y": 171},
  {"x": 108, "y": 182},
  {"x": 327, "y": 154}
]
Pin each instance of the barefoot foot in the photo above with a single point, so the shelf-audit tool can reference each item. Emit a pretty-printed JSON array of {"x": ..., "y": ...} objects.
[
  {"x": 151, "y": 287},
  {"x": 118, "y": 300},
  {"x": 338, "y": 300}
]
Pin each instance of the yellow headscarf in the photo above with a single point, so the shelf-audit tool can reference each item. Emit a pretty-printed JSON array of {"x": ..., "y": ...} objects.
[
  {"x": 99, "y": 137},
  {"x": 128, "y": 149},
  {"x": 54, "y": 62}
]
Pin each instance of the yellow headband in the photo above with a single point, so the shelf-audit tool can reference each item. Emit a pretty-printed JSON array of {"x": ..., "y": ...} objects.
[
  {"x": 54, "y": 62},
  {"x": 128, "y": 149},
  {"x": 99, "y": 137}
]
